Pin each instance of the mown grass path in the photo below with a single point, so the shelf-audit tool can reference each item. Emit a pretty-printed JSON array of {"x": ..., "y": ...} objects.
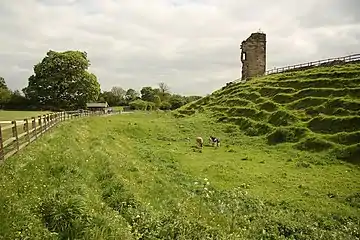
[{"x": 133, "y": 175}]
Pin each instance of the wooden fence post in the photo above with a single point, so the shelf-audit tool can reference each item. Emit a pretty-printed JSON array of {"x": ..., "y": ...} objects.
[
  {"x": 15, "y": 134},
  {"x": 34, "y": 126},
  {"x": 48, "y": 121},
  {"x": 26, "y": 129},
  {"x": 40, "y": 124},
  {"x": 45, "y": 123},
  {"x": 2, "y": 153}
]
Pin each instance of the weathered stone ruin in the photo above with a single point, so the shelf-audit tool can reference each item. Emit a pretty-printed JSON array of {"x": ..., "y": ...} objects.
[{"x": 253, "y": 56}]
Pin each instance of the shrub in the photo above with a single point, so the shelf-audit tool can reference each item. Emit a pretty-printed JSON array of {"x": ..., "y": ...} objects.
[
  {"x": 165, "y": 106},
  {"x": 138, "y": 105}
]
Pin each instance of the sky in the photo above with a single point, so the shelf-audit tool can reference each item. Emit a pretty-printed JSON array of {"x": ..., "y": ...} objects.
[{"x": 191, "y": 45}]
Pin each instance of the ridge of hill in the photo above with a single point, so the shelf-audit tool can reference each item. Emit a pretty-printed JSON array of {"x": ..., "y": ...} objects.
[{"x": 313, "y": 110}]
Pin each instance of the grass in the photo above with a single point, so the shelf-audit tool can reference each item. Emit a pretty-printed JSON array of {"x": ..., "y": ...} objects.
[
  {"x": 323, "y": 101},
  {"x": 139, "y": 176},
  {"x": 19, "y": 115}
]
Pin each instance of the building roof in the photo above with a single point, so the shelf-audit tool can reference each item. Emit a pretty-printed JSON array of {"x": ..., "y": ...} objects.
[{"x": 97, "y": 105}]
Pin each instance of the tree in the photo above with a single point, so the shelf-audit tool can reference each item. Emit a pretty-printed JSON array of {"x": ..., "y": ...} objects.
[
  {"x": 176, "y": 101},
  {"x": 148, "y": 94},
  {"x": 189, "y": 99},
  {"x": 5, "y": 93},
  {"x": 165, "y": 106},
  {"x": 164, "y": 88},
  {"x": 131, "y": 95},
  {"x": 138, "y": 105},
  {"x": 119, "y": 94},
  {"x": 108, "y": 97},
  {"x": 157, "y": 101},
  {"x": 3, "y": 84},
  {"x": 61, "y": 81},
  {"x": 164, "y": 92},
  {"x": 17, "y": 101},
  {"x": 5, "y": 96}
]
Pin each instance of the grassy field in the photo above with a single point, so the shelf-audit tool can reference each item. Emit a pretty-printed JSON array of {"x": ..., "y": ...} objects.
[
  {"x": 19, "y": 115},
  {"x": 139, "y": 176},
  {"x": 315, "y": 110}
]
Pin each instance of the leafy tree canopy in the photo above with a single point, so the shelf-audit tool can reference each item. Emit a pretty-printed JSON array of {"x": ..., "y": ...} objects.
[
  {"x": 148, "y": 94},
  {"x": 3, "y": 84},
  {"x": 131, "y": 95},
  {"x": 5, "y": 93},
  {"x": 61, "y": 80}
]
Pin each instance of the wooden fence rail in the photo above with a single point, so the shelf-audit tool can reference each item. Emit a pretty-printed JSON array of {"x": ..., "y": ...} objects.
[
  {"x": 324, "y": 62},
  {"x": 16, "y": 134}
]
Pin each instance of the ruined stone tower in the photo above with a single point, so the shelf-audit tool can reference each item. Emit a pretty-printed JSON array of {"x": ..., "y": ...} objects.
[{"x": 253, "y": 56}]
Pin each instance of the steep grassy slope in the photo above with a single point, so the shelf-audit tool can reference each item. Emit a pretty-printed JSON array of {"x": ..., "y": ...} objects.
[
  {"x": 314, "y": 110},
  {"x": 138, "y": 176}
]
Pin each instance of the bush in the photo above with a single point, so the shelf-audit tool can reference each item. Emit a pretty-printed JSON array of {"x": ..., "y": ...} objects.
[
  {"x": 138, "y": 105},
  {"x": 165, "y": 106}
]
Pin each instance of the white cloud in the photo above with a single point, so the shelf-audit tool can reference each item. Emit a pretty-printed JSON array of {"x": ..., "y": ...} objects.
[{"x": 193, "y": 46}]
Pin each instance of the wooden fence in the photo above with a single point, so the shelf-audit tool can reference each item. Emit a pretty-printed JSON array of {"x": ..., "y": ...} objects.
[
  {"x": 16, "y": 134},
  {"x": 324, "y": 62}
]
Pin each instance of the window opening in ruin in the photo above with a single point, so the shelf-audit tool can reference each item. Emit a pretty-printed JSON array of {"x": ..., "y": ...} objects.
[{"x": 244, "y": 56}]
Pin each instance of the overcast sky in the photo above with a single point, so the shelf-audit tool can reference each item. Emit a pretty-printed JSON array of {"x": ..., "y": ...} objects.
[{"x": 192, "y": 45}]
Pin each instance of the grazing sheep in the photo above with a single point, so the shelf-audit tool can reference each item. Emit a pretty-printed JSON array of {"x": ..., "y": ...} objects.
[
  {"x": 200, "y": 141},
  {"x": 213, "y": 140}
]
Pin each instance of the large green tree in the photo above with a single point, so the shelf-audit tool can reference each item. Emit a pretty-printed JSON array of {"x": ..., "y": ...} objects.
[
  {"x": 61, "y": 81},
  {"x": 148, "y": 94},
  {"x": 5, "y": 93},
  {"x": 131, "y": 95}
]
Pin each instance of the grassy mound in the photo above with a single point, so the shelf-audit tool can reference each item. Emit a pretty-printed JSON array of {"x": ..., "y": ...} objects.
[
  {"x": 140, "y": 176},
  {"x": 315, "y": 110}
]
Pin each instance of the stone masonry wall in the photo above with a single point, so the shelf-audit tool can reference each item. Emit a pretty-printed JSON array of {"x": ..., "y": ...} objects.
[{"x": 253, "y": 56}]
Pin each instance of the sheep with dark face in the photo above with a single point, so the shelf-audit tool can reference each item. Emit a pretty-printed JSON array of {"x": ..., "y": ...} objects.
[{"x": 200, "y": 142}]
